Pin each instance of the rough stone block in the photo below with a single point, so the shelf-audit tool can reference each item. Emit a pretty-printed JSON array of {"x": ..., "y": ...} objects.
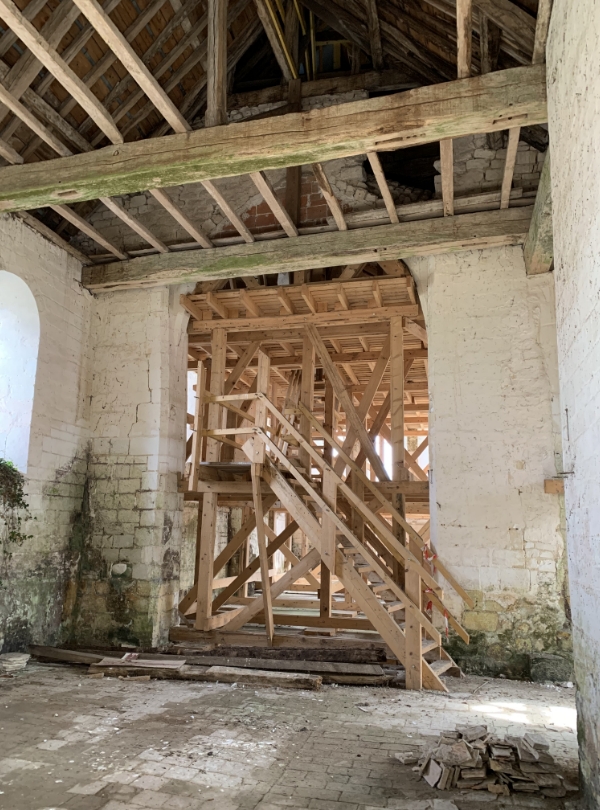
[
  {"x": 548, "y": 667},
  {"x": 480, "y": 620}
]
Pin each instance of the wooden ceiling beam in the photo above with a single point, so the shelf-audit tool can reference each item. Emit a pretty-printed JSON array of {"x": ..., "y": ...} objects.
[
  {"x": 509, "y": 165},
  {"x": 330, "y": 198},
  {"x": 462, "y": 232},
  {"x": 119, "y": 45},
  {"x": 374, "y": 34},
  {"x": 118, "y": 91},
  {"x": 227, "y": 209},
  {"x": 479, "y": 104},
  {"x": 464, "y": 31},
  {"x": 178, "y": 215},
  {"x": 30, "y": 12},
  {"x": 135, "y": 225},
  {"x": 383, "y": 186},
  {"x": 447, "y": 171},
  {"x": 235, "y": 50},
  {"x": 26, "y": 68},
  {"x": 35, "y": 125},
  {"x": 85, "y": 227},
  {"x": 52, "y": 61},
  {"x": 490, "y": 36},
  {"x": 509, "y": 43},
  {"x": 216, "y": 69},
  {"x": 109, "y": 58},
  {"x": 53, "y": 237},
  {"x": 509, "y": 17},
  {"x": 275, "y": 35},
  {"x": 542, "y": 27},
  {"x": 263, "y": 184}
]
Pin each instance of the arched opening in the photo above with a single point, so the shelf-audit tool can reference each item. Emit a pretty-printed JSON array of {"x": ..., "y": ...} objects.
[{"x": 19, "y": 344}]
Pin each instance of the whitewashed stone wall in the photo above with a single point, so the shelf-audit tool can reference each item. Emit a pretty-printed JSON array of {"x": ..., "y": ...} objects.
[
  {"x": 37, "y": 581},
  {"x": 129, "y": 579},
  {"x": 494, "y": 438},
  {"x": 313, "y": 103},
  {"x": 347, "y": 176},
  {"x": 479, "y": 168},
  {"x": 574, "y": 116}
]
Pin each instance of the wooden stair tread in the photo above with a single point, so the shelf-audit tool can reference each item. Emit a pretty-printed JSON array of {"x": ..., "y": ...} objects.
[{"x": 441, "y": 666}]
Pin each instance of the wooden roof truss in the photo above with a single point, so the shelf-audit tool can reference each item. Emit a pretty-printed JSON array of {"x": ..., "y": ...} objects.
[{"x": 76, "y": 75}]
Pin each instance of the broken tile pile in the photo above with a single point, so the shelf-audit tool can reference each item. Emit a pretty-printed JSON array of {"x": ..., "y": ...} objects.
[{"x": 470, "y": 758}]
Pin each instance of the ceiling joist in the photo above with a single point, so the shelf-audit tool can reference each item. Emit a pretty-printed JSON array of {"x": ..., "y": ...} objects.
[{"x": 463, "y": 232}]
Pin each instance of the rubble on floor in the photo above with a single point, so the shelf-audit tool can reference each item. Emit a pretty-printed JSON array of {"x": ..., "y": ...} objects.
[
  {"x": 471, "y": 758},
  {"x": 13, "y": 661},
  {"x": 75, "y": 743}
]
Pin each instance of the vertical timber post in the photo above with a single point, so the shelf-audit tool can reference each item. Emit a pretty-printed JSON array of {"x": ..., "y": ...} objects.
[
  {"x": 307, "y": 393},
  {"x": 207, "y": 525},
  {"x": 412, "y": 581},
  {"x": 258, "y": 458},
  {"x": 216, "y": 52},
  {"x": 328, "y": 526}
]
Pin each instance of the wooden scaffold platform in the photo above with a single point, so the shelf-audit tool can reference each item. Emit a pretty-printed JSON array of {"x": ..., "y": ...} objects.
[{"x": 305, "y": 397}]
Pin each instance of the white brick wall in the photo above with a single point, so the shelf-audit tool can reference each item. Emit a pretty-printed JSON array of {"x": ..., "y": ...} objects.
[
  {"x": 574, "y": 115},
  {"x": 479, "y": 168},
  {"x": 139, "y": 360},
  {"x": 40, "y": 572},
  {"x": 494, "y": 438},
  {"x": 347, "y": 177}
]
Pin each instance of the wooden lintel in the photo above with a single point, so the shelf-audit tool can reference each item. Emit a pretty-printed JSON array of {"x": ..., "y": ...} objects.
[
  {"x": 426, "y": 237},
  {"x": 481, "y": 104}
]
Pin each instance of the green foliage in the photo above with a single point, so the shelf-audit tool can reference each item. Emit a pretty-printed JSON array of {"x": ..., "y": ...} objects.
[{"x": 14, "y": 509}]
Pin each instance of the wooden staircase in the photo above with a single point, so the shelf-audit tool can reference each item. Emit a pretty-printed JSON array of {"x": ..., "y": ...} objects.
[
  {"x": 369, "y": 582},
  {"x": 356, "y": 536}
]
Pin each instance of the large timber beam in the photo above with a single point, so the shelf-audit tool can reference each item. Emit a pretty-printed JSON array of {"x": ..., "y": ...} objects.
[
  {"x": 538, "y": 249},
  {"x": 333, "y": 248},
  {"x": 496, "y": 101}
]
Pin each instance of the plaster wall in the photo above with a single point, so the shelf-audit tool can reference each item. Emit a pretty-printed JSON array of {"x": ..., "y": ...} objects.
[
  {"x": 574, "y": 116},
  {"x": 129, "y": 572},
  {"x": 36, "y": 579},
  {"x": 494, "y": 438}
]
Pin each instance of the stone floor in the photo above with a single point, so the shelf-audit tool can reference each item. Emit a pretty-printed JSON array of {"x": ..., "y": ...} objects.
[{"x": 82, "y": 743}]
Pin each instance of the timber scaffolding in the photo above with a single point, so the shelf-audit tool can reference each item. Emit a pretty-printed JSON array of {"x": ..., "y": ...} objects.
[{"x": 293, "y": 404}]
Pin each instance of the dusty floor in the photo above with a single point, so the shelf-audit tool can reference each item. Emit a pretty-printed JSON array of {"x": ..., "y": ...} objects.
[{"x": 80, "y": 743}]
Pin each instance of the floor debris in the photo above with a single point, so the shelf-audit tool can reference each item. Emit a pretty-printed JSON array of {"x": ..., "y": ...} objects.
[
  {"x": 115, "y": 743},
  {"x": 13, "y": 661},
  {"x": 472, "y": 758}
]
